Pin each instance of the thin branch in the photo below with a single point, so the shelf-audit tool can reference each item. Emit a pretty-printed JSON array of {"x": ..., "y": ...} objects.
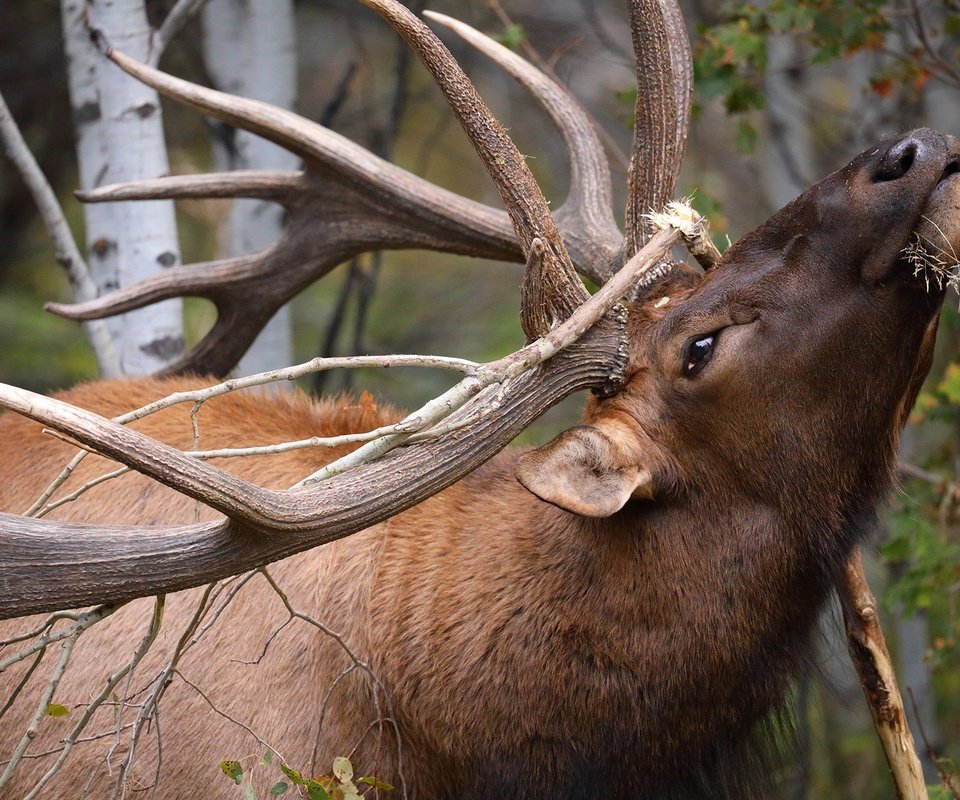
[
  {"x": 226, "y": 716},
  {"x": 175, "y": 21},
  {"x": 82, "y": 623},
  {"x": 64, "y": 246},
  {"x": 362, "y": 665},
  {"x": 150, "y": 708},
  {"x": 22, "y": 682},
  {"x": 148, "y": 639},
  {"x": 200, "y": 396},
  {"x": 945, "y": 777},
  {"x": 45, "y": 697},
  {"x": 923, "y": 34}
]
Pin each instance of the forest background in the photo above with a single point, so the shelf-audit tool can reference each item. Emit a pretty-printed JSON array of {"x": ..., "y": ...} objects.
[{"x": 786, "y": 92}]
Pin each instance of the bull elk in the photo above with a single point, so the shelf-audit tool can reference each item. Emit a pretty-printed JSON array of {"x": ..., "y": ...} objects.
[{"x": 617, "y": 614}]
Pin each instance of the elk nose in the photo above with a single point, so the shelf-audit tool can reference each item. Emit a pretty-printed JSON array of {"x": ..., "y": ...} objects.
[{"x": 898, "y": 159}]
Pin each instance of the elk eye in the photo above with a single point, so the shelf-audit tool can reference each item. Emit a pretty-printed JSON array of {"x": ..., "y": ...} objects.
[{"x": 698, "y": 354}]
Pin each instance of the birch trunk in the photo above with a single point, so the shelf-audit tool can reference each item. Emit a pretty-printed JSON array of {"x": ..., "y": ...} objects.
[
  {"x": 119, "y": 134},
  {"x": 249, "y": 49}
]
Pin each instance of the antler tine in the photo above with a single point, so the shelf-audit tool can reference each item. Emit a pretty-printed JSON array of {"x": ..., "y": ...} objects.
[
  {"x": 331, "y": 221},
  {"x": 587, "y": 213},
  {"x": 662, "y": 113},
  {"x": 552, "y": 290},
  {"x": 281, "y": 186},
  {"x": 206, "y": 280}
]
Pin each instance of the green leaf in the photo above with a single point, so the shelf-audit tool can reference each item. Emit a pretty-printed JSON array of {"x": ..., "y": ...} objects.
[
  {"x": 232, "y": 770},
  {"x": 746, "y": 138},
  {"x": 939, "y": 792},
  {"x": 376, "y": 783},
  {"x": 267, "y": 758},
  {"x": 950, "y": 385},
  {"x": 292, "y": 774},
  {"x": 249, "y": 793},
  {"x": 279, "y": 788},
  {"x": 315, "y": 791},
  {"x": 56, "y": 710},
  {"x": 512, "y": 37}
]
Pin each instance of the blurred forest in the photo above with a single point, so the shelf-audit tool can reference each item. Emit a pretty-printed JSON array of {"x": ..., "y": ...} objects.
[{"x": 787, "y": 91}]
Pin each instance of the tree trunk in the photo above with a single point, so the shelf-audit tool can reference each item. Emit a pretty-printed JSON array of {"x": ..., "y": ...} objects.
[
  {"x": 249, "y": 49},
  {"x": 119, "y": 130}
]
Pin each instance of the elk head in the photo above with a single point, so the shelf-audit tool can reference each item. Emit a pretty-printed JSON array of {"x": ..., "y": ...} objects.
[{"x": 816, "y": 313}]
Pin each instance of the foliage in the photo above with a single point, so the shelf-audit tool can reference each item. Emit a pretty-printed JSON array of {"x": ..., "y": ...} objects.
[
  {"x": 339, "y": 784},
  {"x": 731, "y": 58}
]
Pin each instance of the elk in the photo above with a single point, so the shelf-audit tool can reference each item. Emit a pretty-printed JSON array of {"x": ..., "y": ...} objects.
[{"x": 616, "y": 614}]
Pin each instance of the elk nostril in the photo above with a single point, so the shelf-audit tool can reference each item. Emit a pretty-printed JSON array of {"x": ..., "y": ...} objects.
[
  {"x": 951, "y": 169},
  {"x": 896, "y": 162}
]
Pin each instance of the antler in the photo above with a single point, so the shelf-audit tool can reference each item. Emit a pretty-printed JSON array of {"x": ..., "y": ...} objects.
[
  {"x": 264, "y": 525},
  {"x": 345, "y": 202},
  {"x": 344, "y": 186},
  {"x": 348, "y": 201},
  {"x": 661, "y": 115}
]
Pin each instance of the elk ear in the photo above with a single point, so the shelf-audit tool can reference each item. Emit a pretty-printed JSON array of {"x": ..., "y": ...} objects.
[{"x": 583, "y": 471}]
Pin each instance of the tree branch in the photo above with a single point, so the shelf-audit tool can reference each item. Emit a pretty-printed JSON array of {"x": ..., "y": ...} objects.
[
  {"x": 64, "y": 246},
  {"x": 868, "y": 650}
]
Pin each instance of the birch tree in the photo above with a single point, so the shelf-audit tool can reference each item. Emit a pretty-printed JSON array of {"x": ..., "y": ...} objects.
[
  {"x": 119, "y": 137},
  {"x": 249, "y": 50}
]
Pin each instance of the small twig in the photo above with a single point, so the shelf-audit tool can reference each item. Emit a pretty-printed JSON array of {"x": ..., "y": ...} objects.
[
  {"x": 150, "y": 706},
  {"x": 200, "y": 396},
  {"x": 923, "y": 34},
  {"x": 262, "y": 742},
  {"x": 175, "y": 21},
  {"x": 36, "y": 631},
  {"x": 23, "y": 681},
  {"x": 945, "y": 777},
  {"x": 362, "y": 665},
  {"x": 81, "y": 623},
  {"x": 71, "y": 739},
  {"x": 518, "y": 362},
  {"x": 45, "y": 698},
  {"x": 64, "y": 247}
]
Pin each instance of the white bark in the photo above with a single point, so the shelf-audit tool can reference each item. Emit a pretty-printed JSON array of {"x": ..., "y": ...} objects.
[
  {"x": 119, "y": 131},
  {"x": 249, "y": 49}
]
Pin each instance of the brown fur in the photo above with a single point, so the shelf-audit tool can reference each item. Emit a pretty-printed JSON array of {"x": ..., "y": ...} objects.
[{"x": 527, "y": 650}]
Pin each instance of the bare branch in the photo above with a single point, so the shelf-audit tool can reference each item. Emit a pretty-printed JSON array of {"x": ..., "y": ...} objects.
[
  {"x": 64, "y": 247},
  {"x": 175, "y": 21},
  {"x": 71, "y": 739},
  {"x": 69, "y": 640},
  {"x": 868, "y": 650}
]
